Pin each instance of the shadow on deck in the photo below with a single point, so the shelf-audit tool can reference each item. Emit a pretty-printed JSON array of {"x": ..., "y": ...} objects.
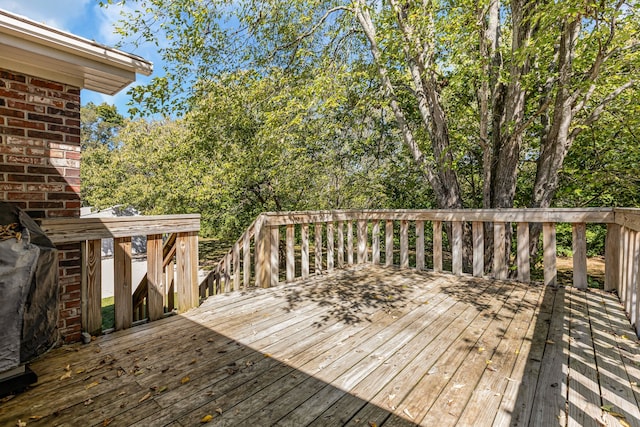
[{"x": 367, "y": 346}]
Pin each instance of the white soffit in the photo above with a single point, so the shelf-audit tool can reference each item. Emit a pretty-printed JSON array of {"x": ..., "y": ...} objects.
[{"x": 39, "y": 50}]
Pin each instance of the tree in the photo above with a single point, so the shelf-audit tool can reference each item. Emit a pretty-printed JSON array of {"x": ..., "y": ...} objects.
[{"x": 481, "y": 88}]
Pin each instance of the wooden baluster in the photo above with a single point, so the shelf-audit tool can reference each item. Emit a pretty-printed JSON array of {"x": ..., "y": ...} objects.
[
  {"x": 388, "y": 242},
  {"x": 499, "y": 251},
  {"x": 187, "y": 270},
  {"x": 404, "y": 243},
  {"x": 420, "y": 245},
  {"x": 456, "y": 248},
  {"x": 263, "y": 255},
  {"x": 579, "y": 231},
  {"x": 340, "y": 244},
  {"x": 437, "y": 246},
  {"x": 227, "y": 272},
  {"x": 611, "y": 257},
  {"x": 170, "y": 282},
  {"x": 350, "y": 242},
  {"x": 318, "y": 247},
  {"x": 549, "y": 251},
  {"x": 92, "y": 286},
  {"x": 291, "y": 254},
  {"x": 304, "y": 255},
  {"x": 628, "y": 268},
  {"x": 362, "y": 241},
  {"x": 246, "y": 263},
  {"x": 633, "y": 312},
  {"x": 155, "y": 277},
  {"x": 524, "y": 264},
  {"x": 375, "y": 242},
  {"x": 236, "y": 266},
  {"x": 275, "y": 255},
  {"x": 330, "y": 247},
  {"x": 477, "y": 230},
  {"x": 623, "y": 265},
  {"x": 123, "y": 304}
]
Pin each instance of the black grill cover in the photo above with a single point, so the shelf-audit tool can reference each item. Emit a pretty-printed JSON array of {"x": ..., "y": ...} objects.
[{"x": 28, "y": 291}]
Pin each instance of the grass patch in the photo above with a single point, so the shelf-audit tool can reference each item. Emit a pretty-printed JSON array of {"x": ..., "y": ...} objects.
[{"x": 108, "y": 313}]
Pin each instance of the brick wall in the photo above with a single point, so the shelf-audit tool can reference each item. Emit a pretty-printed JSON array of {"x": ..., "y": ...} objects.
[{"x": 40, "y": 167}]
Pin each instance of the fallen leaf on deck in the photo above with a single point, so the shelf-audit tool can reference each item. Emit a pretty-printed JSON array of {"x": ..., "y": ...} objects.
[
  {"x": 210, "y": 340},
  {"x": 491, "y": 368},
  {"x": 511, "y": 379},
  {"x": 79, "y": 371},
  {"x": 36, "y": 417},
  {"x": 517, "y": 351},
  {"x": 550, "y": 342},
  {"x": 67, "y": 368},
  {"x": 489, "y": 362},
  {"x": 372, "y": 424},
  {"x": 145, "y": 397},
  {"x": 107, "y": 421},
  {"x": 206, "y": 419},
  {"x": 624, "y": 423},
  {"x": 607, "y": 408},
  {"x": 93, "y": 384},
  {"x": 624, "y": 337},
  {"x": 66, "y": 375},
  {"x": 267, "y": 355},
  {"x": 192, "y": 362},
  {"x": 162, "y": 389},
  {"x": 219, "y": 410},
  {"x": 88, "y": 402},
  {"x": 406, "y": 411},
  {"x": 122, "y": 393},
  {"x": 480, "y": 349},
  {"x": 185, "y": 380},
  {"x": 458, "y": 386},
  {"x": 21, "y": 423}
]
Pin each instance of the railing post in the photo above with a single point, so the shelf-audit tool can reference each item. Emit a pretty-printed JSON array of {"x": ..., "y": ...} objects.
[
  {"x": 420, "y": 245},
  {"x": 304, "y": 250},
  {"x": 340, "y": 244},
  {"x": 388, "y": 243},
  {"x": 122, "y": 301},
  {"x": 375, "y": 242},
  {"x": 549, "y": 250},
  {"x": 579, "y": 234},
  {"x": 291, "y": 256},
  {"x": 524, "y": 263},
  {"x": 92, "y": 286},
  {"x": 456, "y": 248},
  {"x": 236, "y": 266},
  {"x": 155, "y": 277},
  {"x": 612, "y": 257},
  {"x": 477, "y": 229},
  {"x": 499, "y": 251},
  {"x": 330, "y": 246},
  {"x": 437, "y": 246},
  {"x": 187, "y": 270},
  {"x": 404, "y": 243}
]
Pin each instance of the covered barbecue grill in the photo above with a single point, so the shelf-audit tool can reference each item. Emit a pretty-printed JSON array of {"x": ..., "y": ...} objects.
[{"x": 28, "y": 296}]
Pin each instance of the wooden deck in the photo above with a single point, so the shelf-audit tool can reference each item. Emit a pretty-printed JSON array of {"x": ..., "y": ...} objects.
[{"x": 365, "y": 347}]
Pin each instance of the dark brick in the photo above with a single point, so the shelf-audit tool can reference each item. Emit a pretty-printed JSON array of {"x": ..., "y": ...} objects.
[
  {"x": 43, "y": 118},
  {"x": 10, "y": 76},
  {"x": 60, "y": 112},
  {"x": 25, "y": 178},
  {"x": 44, "y": 135}
]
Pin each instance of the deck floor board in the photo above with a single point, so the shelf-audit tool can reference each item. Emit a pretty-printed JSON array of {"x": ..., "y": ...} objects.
[{"x": 364, "y": 346}]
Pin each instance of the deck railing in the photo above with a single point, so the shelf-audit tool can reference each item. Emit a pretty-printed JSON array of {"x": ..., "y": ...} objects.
[
  {"x": 344, "y": 238},
  {"x": 177, "y": 265}
]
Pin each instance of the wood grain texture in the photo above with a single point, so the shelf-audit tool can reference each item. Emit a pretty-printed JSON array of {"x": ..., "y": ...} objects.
[
  {"x": 122, "y": 302},
  {"x": 304, "y": 250},
  {"x": 291, "y": 255},
  {"x": 437, "y": 246},
  {"x": 579, "y": 236},
  {"x": 91, "y": 296},
  {"x": 155, "y": 277},
  {"x": 420, "y": 245},
  {"x": 404, "y": 244},
  {"x": 375, "y": 242},
  {"x": 456, "y": 248},
  {"x": 523, "y": 254},
  {"x": 499, "y": 251},
  {"x": 388, "y": 243},
  {"x": 340, "y": 232},
  {"x": 477, "y": 230},
  {"x": 612, "y": 255},
  {"x": 549, "y": 253},
  {"x": 362, "y": 241}
]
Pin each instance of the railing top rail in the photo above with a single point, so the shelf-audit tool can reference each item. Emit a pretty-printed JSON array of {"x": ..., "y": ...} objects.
[
  {"x": 68, "y": 230},
  {"x": 571, "y": 215}
]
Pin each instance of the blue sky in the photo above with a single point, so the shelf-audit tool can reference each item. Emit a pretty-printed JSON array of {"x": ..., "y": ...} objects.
[{"x": 87, "y": 19}]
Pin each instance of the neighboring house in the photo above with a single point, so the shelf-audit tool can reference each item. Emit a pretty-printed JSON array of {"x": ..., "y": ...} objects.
[
  {"x": 42, "y": 71},
  {"x": 138, "y": 243}
]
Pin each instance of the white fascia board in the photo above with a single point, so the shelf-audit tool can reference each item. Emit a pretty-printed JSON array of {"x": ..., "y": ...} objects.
[{"x": 37, "y": 47}]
